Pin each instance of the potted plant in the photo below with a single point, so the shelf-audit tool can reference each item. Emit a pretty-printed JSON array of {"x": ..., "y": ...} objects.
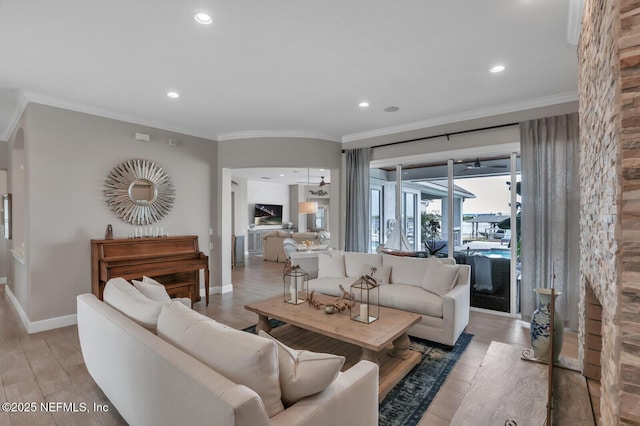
[{"x": 431, "y": 233}]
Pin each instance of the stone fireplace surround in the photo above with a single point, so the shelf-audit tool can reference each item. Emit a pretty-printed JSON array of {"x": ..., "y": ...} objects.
[{"x": 609, "y": 99}]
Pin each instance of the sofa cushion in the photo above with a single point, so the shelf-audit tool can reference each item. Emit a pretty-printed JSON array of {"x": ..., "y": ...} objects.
[
  {"x": 304, "y": 373},
  {"x": 329, "y": 285},
  {"x": 242, "y": 357},
  {"x": 411, "y": 298},
  {"x": 152, "y": 289},
  {"x": 284, "y": 234},
  {"x": 124, "y": 297},
  {"x": 381, "y": 273},
  {"x": 331, "y": 264},
  {"x": 406, "y": 270},
  {"x": 440, "y": 278},
  {"x": 353, "y": 262}
]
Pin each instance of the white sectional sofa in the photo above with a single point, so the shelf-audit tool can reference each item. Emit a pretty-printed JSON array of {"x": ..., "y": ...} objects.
[
  {"x": 438, "y": 289},
  {"x": 168, "y": 378}
]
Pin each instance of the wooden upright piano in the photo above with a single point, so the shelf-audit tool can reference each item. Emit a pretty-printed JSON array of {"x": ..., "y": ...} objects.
[{"x": 173, "y": 261}]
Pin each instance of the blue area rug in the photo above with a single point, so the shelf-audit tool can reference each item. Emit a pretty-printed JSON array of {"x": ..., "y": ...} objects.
[{"x": 408, "y": 400}]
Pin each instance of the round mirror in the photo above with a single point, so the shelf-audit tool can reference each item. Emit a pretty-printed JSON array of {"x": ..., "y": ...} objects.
[
  {"x": 142, "y": 192},
  {"x": 139, "y": 192}
]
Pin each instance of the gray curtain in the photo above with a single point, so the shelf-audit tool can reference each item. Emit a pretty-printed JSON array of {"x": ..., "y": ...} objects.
[
  {"x": 550, "y": 213},
  {"x": 357, "y": 208}
]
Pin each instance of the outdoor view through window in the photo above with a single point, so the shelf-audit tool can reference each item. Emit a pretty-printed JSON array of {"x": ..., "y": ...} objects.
[{"x": 481, "y": 223}]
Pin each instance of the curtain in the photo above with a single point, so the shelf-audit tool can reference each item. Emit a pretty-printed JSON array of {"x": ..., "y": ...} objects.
[
  {"x": 550, "y": 213},
  {"x": 357, "y": 207}
]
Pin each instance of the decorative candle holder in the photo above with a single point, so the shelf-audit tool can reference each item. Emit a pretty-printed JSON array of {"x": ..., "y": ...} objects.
[
  {"x": 295, "y": 284},
  {"x": 365, "y": 294}
]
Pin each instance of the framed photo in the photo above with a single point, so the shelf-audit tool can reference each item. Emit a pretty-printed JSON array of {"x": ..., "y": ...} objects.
[{"x": 6, "y": 215}]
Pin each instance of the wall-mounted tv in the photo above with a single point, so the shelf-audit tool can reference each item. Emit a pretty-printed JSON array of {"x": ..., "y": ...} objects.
[{"x": 267, "y": 214}]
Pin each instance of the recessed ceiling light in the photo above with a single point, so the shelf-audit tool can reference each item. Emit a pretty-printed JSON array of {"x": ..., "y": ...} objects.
[
  {"x": 202, "y": 18},
  {"x": 281, "y": 174},
  {"x": 173, "y": 94},
  {"x": 364, "y": 104},
  {"x": 497, "y": 68}
]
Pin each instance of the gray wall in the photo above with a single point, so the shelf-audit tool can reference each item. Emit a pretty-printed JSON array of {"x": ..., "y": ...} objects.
[{"x": 68, "y": 156}]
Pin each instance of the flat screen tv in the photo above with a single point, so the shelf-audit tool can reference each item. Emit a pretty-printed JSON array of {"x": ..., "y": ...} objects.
[{"x": 267, "y": 214}]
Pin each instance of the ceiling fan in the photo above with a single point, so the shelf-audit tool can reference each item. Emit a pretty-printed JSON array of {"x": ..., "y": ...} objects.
[
  {"x": 322, "y": 182},
  {"x": 477, "y": 166}
]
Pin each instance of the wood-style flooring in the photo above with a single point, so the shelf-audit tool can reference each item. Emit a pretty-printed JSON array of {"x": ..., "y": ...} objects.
[{"x": 47, "y": 367}]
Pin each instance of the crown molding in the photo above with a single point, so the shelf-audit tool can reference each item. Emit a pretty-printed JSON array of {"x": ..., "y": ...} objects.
[
  {"x": 253, "y": 134},
  {"x": 44, "y": 99},
  {"x": 469, "y": 115},
  {"x": 12, "y": 122}
]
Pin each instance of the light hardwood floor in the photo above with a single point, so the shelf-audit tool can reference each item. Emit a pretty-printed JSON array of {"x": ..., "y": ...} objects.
[{"x": 48, "y": 366}]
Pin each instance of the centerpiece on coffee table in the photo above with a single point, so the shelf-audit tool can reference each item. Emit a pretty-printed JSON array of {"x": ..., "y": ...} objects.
[{"x": 365, "y": 294}]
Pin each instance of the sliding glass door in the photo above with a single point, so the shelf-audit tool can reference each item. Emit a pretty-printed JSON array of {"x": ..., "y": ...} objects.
[{"x": 460, "y": 209}]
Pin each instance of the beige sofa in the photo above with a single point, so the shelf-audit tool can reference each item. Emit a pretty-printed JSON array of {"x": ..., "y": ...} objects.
[
  {"x": 272, "y": 242},
  {"x": 438, "y": 289},
  {"x": 167, "y": 379}
]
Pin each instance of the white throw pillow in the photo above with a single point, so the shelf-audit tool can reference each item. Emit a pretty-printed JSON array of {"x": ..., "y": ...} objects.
[
  {"x": 440, "y": 278},
  {"x": 331, "y": 264},
  {"x": 381, "y": 273},
  {"x": 304, "y": 373},
  {"x": 406, "y": 270},
  {"x": 152, "y": 289},
  {"x": 242, "y": 357},
  {"x": 121, "y": 295},
  {"x": 353, "y": 262}
]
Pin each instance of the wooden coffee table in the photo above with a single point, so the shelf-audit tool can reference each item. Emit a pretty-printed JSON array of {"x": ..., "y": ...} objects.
[{"x": 384, "y": 341}]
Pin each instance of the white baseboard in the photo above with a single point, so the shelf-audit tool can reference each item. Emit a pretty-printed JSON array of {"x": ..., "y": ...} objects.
[
  {"x": 42, "y": 325},
  {"x": 218, "y": 290}
]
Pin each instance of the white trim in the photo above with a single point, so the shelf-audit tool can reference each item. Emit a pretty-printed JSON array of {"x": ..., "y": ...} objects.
[
  {"x": 15, "y": 118},
  {"x": 217, "y": 290},
  {"x": 40, "y": 98},
  {"x": 3, "y": 280},
  {"x": 464, "y": 116},
  {"x": 42, "y": 325},
  {"x": 253, "y": 134}
]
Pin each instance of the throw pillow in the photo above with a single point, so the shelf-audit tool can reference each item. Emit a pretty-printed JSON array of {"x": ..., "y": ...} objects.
[
  {"x": 331, "y": 264},
  {"x": 121, "y": 295},
  {"x": 152, "y": 289},
  {"x": 440, "y": 278},
  {"x": 381, "y": 273},
  {"x": 353, "y": 262},
  {"x": 304, "y": 373},
  {"x": 244, "y": 358}
]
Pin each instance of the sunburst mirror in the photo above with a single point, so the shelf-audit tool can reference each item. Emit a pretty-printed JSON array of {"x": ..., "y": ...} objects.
[{"x": 139, "y": 192}]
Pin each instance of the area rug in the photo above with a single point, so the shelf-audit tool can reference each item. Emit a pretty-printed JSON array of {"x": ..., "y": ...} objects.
[{"x": 408, "y": 400}]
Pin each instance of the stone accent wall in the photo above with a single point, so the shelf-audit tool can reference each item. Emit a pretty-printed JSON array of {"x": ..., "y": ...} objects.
[{"x": 609, "y": 92}]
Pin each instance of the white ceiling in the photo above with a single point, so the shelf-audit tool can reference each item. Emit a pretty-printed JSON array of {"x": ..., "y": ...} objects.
[
  {"x": 276, "y": 67},
  {"x": 285, "y": 175}
]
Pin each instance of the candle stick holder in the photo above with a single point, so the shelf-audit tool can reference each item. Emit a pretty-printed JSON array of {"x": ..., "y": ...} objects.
[{"x": 365, "y": 294}]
